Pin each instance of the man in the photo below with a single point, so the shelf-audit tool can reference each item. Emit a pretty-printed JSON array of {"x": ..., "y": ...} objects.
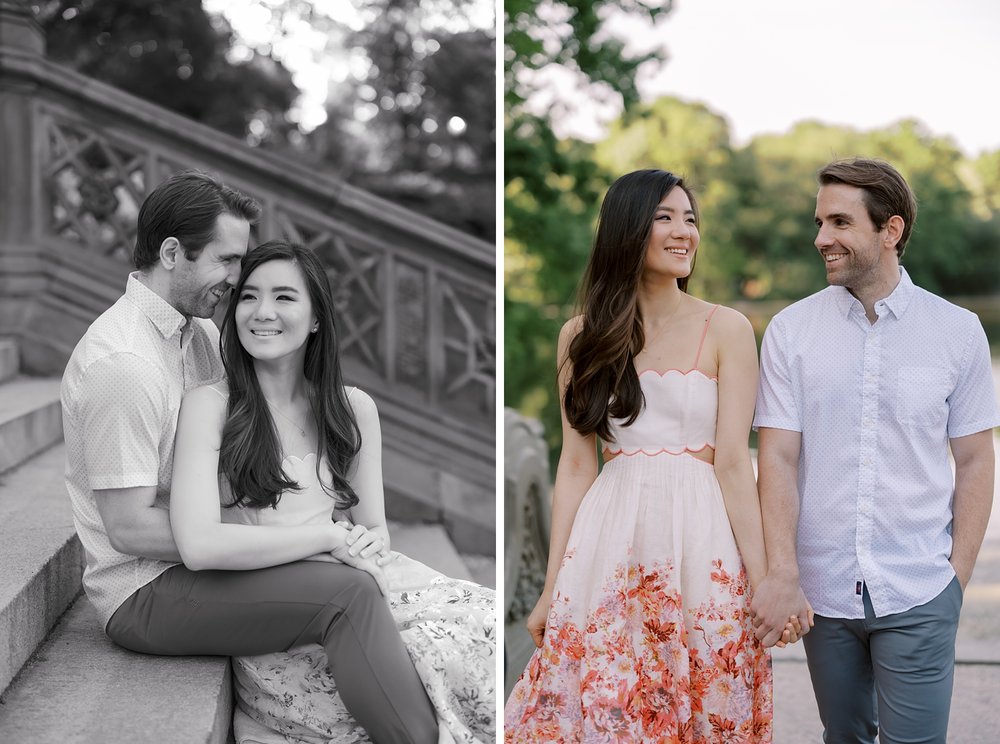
[
  {"x": 120, "y": 394},
  {"x": 863, "y": 387}
]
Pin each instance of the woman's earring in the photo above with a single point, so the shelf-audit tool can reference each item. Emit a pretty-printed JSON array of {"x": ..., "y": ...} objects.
[{"x": 315, "y": 328}]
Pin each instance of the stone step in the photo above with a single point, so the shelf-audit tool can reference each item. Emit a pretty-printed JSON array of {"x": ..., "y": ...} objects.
[
  {"x": 42, "y": 558},
  {"x": 429, "y": 544},
  {"x": 10, "y": 359},
  {"x": 80, "y": 688},
  {"x": 415, "y": 491},
  {"x": 30, "y": 418}
]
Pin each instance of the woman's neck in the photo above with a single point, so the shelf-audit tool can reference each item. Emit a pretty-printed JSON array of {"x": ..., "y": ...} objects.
[
  {"x": 659, "y": 300},
  {"x": 281, "y": 384}
]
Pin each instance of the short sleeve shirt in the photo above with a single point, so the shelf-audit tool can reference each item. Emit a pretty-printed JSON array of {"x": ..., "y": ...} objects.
[
  {"x": 876, "y": 404},
  {"x": 121, "y": 393}
]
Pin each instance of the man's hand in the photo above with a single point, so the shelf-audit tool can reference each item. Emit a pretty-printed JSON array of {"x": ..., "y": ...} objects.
[{"x": 774, "y": 603}]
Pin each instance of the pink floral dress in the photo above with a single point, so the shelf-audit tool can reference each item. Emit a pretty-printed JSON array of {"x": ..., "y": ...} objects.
[{"x": 648, "y": 638}]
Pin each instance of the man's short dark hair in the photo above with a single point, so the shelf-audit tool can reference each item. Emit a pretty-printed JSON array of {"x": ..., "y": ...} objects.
[
  {"x": 886, "y": 192},
  {"x": 186, "y": 206}
]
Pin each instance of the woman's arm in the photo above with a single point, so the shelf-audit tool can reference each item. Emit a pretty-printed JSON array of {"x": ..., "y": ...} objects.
[
  {"x": 368, "y": 515},
  {"x": 737, "y": 355},
  {"x": 203, "y": 539},
  {"x": 575, "y": 473}
]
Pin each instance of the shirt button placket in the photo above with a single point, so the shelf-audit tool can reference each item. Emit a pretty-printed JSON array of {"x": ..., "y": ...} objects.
[{"x": 867, "y": 449}]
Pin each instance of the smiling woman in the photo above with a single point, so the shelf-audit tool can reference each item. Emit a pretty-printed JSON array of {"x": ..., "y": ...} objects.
[
  {"x": 300, "y": 459},
  {"x": 663, "y": 384}
]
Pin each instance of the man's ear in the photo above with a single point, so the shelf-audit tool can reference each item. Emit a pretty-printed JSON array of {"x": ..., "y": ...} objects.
[
  {"x": 893, "y": 231},
  {"x": 169, "y": 250}
]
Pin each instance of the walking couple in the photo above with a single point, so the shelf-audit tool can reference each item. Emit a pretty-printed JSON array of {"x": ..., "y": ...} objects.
[
  {"x": 229, "y": 494},
  {"x": 671, "y": 571}
]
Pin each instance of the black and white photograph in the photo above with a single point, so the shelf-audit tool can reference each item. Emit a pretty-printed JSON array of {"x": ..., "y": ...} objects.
[{"x": 247, "y": 371}]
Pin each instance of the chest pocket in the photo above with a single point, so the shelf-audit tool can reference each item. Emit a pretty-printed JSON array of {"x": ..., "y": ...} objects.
[{"x": 922, "y": 396}]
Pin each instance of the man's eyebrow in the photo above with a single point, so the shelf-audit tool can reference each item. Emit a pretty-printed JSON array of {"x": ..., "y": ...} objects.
[{"x": 836, "y": 216}]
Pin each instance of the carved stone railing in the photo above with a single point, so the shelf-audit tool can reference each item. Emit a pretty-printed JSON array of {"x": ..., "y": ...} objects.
[
  {"x": 527, "y": 517},
  {"x": 527, "y": 513},
  {"x": 416, "y": 298}
]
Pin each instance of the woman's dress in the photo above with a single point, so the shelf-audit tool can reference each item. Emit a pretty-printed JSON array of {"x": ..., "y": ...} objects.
[
  {"x": 648, "y": 637},
  {"x": 447, "y": 625}
]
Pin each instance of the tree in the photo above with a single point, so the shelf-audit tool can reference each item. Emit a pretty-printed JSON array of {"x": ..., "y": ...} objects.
[
  {"x": 552, "y": 186},
  {"x": 174, "y": 55}
]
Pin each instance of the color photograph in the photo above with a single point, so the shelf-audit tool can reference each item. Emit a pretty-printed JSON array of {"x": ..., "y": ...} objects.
[{"x": 751, "y": 308}]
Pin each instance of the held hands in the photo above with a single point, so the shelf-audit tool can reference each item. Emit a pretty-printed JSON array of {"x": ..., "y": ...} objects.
[{"x": 777, "y": 610}]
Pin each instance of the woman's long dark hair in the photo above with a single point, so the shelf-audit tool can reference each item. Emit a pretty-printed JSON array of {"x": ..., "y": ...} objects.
[
  {"x": 251, "y": 454},
  {"x": 603, "y": 382}
]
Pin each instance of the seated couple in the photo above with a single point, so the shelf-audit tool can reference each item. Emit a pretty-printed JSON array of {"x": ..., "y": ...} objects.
[{"x": 248, "y": 520}]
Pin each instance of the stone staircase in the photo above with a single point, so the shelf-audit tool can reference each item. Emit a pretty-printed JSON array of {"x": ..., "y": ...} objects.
[{"x": 62, "y": 679}]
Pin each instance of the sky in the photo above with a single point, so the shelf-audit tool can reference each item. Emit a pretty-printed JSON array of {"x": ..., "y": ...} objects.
[{"x": 766, "y": 64}]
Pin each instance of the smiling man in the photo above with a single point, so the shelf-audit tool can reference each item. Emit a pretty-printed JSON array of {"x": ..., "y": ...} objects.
[{"x": 864, "y": 387}]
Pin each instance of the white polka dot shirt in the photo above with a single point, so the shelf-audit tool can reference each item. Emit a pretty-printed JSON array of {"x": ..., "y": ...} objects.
[
  {"x": 876, "y": 405},
  {"x": 121, "y": 392}
]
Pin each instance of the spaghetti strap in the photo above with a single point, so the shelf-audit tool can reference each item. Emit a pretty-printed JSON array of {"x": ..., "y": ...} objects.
[{"x": 704, "y": 333}]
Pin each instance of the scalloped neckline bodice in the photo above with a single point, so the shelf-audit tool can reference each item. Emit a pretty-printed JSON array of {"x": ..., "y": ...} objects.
[{"x": 680, "y": 415}]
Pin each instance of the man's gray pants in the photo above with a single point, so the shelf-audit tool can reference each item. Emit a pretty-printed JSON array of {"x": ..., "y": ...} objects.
[
  {"x": 891, "y": 676},
  {"x": 245, "y": 613}
]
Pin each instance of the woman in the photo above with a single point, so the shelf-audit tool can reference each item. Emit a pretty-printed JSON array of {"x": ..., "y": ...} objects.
[
  {"x": 246, "y": 456},
  {"x": 643, "y": 626}
]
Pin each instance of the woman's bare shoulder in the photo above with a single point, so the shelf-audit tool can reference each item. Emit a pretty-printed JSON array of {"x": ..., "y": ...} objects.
[
  {"x": 210, "y": 395},
  {"x": 571, "y": 328}
]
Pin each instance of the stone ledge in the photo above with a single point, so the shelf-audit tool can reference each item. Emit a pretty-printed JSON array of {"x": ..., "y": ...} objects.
[
  {"x": 10, "y": 361},
  {"x": 41, "y": 556},
  {"x": 80, "y": 687},
  {"x": 30, "y": 418}
]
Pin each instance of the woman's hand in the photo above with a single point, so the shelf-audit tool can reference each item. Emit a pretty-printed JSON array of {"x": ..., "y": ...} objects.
[
  {"x": 537, "y": 618},
  {"x": 343, "y": 552},
  {"x": 368, "y": 542},
  {"x": 793, "y": 629}
]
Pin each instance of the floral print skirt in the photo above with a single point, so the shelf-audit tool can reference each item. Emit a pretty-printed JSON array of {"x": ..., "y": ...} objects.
[
  {"x": 449, "y": 629},
  {"x": 648, "y": 637}
]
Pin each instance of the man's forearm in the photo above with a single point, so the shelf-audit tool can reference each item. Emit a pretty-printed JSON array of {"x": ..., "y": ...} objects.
[
  {"x": 149, "y": 536},
  {"x": 973, "y": 500},
  {"x": 779, "y": 505}
]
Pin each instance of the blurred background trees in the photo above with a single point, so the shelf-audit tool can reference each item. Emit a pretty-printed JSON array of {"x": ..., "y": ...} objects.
[
  {"x": 757, "y": 200},
  {"x": 410, "y": 117}
]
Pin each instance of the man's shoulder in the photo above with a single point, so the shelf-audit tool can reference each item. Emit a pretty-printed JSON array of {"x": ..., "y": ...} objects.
[
  {"x": 116, "y": 343},
  {"x": 806, "y": 308},
  {"x": 927, "y": 301}
]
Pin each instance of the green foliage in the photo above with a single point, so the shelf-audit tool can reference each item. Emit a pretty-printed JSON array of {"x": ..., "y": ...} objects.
[
  {"x": 552, "y": 187},
  {"x": 757, "y": 207}
]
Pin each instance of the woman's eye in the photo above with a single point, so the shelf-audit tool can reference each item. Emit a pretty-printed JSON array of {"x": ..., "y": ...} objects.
[{"x": 245, "y": 296}]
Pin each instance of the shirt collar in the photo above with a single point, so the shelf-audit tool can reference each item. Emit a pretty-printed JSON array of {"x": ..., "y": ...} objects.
[
  {"x": 897, "y": 301},
  {"x": 161, "y": 313}
]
